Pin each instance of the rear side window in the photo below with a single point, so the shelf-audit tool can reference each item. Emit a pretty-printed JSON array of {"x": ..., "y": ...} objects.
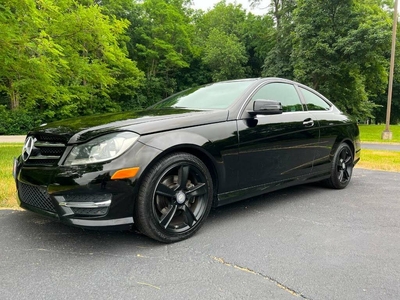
[
  {"x": 314, "y": 102},
  {"x": 282, "y": 92}
]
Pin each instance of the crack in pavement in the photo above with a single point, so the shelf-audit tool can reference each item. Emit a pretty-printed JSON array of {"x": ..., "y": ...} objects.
[{"x": 276, "y": 282}]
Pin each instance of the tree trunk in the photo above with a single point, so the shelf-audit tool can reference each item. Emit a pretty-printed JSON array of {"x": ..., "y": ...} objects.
[
  {"x": 277, "y": 13},
  {"x": 14, "y": 96}
]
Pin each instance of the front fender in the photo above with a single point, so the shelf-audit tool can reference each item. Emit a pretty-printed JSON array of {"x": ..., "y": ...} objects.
[
  {"x": 188, "y": 142},
  {"x": 166, "y": 140},
  {"x": 215, "y": 144}
]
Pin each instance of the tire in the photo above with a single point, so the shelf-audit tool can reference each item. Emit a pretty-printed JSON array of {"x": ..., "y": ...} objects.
[
  {"x": 174, "y": 199},
  {"x": 342, "y": 167}
]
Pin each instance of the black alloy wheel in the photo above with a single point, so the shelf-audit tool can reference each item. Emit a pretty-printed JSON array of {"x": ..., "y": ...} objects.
[
  {"x": 342, "y": 167},
  {"x": 174, "y": 199}
]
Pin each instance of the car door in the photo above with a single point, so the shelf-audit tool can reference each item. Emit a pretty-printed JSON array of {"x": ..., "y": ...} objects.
[
  {"x": 331, "y": 127},
  {"x": 276, "y": 148}
]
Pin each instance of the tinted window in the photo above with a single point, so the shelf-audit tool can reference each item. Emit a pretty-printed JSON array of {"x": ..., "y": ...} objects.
[
  {"x": 213, "y": 96},
  {"x": 313, "y": 101},
  {"x": 284, "y": 93}
]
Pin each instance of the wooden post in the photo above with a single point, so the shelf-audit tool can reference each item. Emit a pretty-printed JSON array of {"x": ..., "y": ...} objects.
[{"x": 387, "y": 134}]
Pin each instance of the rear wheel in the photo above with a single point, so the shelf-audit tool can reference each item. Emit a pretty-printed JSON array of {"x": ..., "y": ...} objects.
[
  {"x": 342, "y": 167},
  {"x": 174, "y": 199}
]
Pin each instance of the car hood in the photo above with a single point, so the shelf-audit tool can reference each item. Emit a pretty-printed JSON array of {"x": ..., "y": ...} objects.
[{"x": 143, "y": 122}]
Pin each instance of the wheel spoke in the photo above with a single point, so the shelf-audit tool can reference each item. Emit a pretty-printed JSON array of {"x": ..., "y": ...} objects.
[
  {"x": 199, "y": 190},
  {"x": 167, "y": 218},
  {"x": 189, "y": 216},
  {"x": 348, "y": 160},
  {"x": 165, "y": 191},
  {"x": 183, "y": 175},
  {"x": 347, "y": 173},
  {"x": 341, "y": 174},
  {"x": 343, "y": 154}
]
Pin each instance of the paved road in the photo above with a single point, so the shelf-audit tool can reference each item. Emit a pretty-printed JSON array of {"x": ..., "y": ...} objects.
[
  {"x": 12, "y": 138},
  {"x": 381, "y": 146},
  {"x": 306, "y": 242}
]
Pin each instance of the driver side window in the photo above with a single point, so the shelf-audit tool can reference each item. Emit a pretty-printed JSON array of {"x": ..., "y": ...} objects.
[{"x": 284, "y": 93}]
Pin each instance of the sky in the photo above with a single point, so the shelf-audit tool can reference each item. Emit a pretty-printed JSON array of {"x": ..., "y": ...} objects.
[{"x": 207, "y": 4}]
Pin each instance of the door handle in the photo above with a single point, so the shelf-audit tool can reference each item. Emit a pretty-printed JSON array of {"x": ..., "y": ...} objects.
[{"x": 308, "y": 122}]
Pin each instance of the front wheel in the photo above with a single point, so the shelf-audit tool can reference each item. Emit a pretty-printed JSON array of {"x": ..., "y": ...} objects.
[
  {"x": 174, "y": 199},
  {"x": 342, "y": 167}
]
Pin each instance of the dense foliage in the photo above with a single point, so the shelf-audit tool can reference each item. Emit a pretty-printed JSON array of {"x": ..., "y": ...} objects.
[{"x": 78, "y": 57}]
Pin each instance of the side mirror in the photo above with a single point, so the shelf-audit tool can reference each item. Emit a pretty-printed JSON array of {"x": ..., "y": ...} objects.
[{"x": 266, "y": 107}]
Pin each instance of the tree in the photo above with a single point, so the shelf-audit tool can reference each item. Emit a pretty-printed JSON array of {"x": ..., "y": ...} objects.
[
  {"x": 278, "y": 60},
  {"x": 254, "y": 33},
  {"x": 97, "y": 70},
  {"x": 161, "y": 44},
  {"x": 225, "y": 56},
  {"x": 62, "y": 57},
  {"x": 26, "y": 54},
  {"x": 340, "y": 49},
  {"x": 227, "y": 18}
]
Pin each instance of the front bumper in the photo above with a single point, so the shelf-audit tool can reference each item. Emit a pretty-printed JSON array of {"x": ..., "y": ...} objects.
[
  {"x": 91, "y": 205},
  {"x": 83, "y": 196}
]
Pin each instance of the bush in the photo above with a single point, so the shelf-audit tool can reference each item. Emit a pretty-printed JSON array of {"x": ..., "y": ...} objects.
[{"x": 18, "y": 121}]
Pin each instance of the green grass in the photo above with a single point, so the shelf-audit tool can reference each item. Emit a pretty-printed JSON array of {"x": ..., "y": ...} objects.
[
  {"x": 372, "y": 133},
  {"x": 8, "y": 197},
  {"x": 380, "y": 160}
]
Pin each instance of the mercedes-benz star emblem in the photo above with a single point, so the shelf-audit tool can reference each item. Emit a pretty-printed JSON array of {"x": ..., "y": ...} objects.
[
  {"x": 28, "y": 147},
  {"x": 180, "y": 197}
]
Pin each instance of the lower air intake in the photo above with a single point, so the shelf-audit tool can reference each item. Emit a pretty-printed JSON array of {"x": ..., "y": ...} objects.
[{"x": 35, "y": 196}]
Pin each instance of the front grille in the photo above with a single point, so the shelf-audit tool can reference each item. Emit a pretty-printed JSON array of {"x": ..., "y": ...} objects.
[
  {"x": 35, "y": 196},
  {"x": 51, "y": 138},
  {"x": 38, "y": 162},
  {"x": 52, "y": 151},
  {"x": 47, "y": 150}
]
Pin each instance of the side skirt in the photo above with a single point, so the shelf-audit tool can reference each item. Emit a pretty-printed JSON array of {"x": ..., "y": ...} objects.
[{"x": 237, "y": 195}]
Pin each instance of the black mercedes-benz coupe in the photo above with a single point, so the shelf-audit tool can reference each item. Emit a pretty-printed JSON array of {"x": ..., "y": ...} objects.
[{"x": 163, "y": 168}]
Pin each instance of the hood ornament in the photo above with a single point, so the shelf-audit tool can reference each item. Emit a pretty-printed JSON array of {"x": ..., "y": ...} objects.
[{"x": 28, "y": 147}]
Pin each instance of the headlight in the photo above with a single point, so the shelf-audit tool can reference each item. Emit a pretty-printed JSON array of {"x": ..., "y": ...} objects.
[{"x": 100, "y": 149}]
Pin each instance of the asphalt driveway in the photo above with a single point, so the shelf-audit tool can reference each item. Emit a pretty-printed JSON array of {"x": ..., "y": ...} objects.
[{"x": 305, "y": 242}]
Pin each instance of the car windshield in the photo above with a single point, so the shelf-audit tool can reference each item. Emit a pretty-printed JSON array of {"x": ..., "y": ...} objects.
[{"x": 213, "y": 96}]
